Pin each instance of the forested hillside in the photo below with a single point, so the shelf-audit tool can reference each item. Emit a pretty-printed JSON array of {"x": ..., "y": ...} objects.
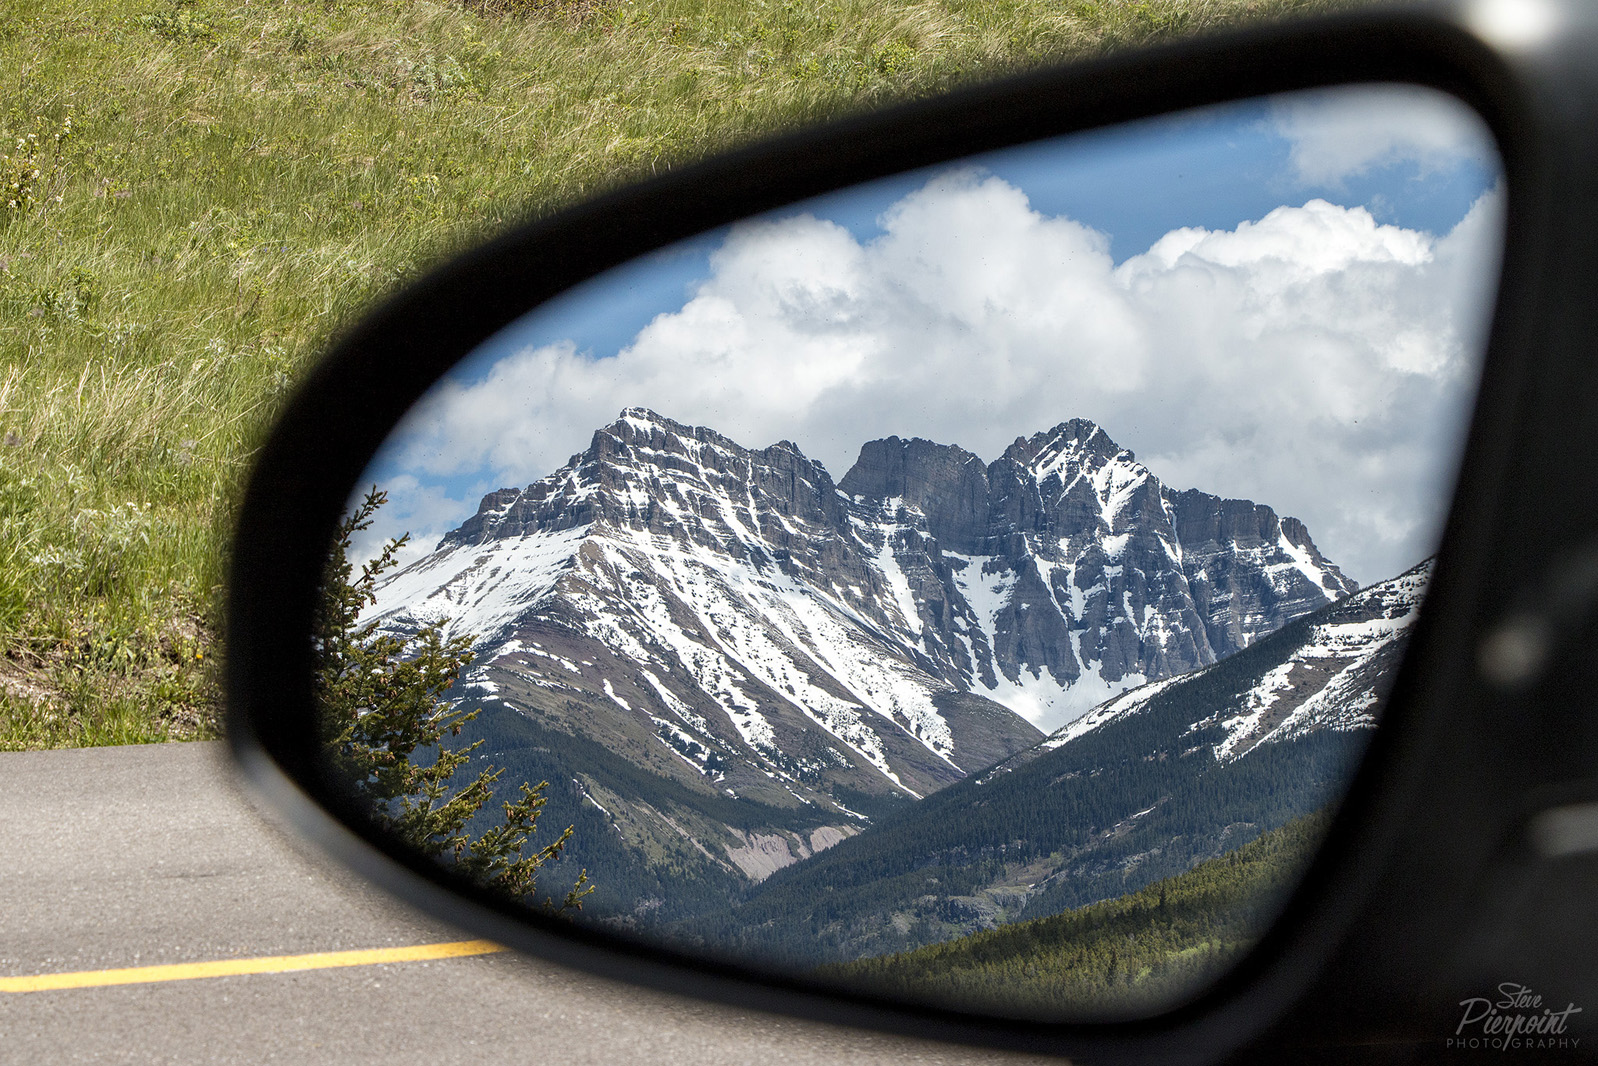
[{"x": 1131, "y": 955}]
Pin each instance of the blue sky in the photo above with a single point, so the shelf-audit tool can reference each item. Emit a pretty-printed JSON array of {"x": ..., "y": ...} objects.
[
  {"x": 1133, "y": 183},
  {"x": 1414, "y": 166}
]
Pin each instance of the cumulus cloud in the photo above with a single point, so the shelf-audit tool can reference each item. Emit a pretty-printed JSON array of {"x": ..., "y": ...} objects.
[
  {"x": 1339, "y": 133},
  {"x": 1330, "y": 362},
  {"x": 1313, "y": 360}
]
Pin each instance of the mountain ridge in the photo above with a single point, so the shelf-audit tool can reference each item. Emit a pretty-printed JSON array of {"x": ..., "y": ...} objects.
[{"x": 733, "y": 620}]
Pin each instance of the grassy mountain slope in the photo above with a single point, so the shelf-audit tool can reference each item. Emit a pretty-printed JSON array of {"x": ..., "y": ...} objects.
[
  {"x": 197, "y": 194},
  {"x": 657, "y": 850},
  {"x": 1140, "y": 952}
]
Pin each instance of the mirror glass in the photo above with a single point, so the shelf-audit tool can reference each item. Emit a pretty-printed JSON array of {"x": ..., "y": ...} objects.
[{"x": 975, "y": 586}]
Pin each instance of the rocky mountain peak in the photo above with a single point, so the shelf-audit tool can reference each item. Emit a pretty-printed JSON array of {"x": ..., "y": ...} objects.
[
  {"x": 943, "y": 483},
  {"x": 1075, "y": 442},
  {"x": 640, "y": 428},
  {"x": 646, "y": 471}
]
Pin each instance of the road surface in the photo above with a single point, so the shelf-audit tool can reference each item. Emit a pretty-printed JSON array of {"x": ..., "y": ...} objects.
[{"x": 117, "y": 858}]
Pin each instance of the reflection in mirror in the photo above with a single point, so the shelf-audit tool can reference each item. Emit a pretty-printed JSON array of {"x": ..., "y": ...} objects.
[{"x": 900, "y": 590}]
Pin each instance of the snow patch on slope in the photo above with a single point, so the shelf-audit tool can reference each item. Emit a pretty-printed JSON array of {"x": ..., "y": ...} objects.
[{"x": 480, "y": 589}]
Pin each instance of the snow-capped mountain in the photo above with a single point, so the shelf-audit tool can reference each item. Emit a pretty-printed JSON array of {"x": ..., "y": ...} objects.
[
  {"x": 733, "y": 620},
  {"x": 1334, "y": 675},
  {"x": 1065, "y": 572}
]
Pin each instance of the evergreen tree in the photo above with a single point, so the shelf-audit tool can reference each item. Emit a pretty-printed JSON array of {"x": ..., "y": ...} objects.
[{"x": 384, "y": 723}]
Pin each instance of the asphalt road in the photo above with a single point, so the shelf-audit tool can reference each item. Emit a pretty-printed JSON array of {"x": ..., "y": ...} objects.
[{"x": 140, "y": 856}]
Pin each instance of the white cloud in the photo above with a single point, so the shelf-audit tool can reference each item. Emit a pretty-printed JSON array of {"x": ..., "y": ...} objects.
[
  {"x": 1330, "y": 362},
  {"x": 1342, "y": 132},
  {"x": 1313, "y": 360},
  {"x": 425, "y": 511}
]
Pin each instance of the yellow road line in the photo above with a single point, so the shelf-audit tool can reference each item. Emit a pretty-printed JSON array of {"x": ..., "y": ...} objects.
[{"x": 187, "y": 971}]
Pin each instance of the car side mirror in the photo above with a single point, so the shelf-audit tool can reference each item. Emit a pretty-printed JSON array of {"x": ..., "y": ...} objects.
[{"x": 995, "y": 611}]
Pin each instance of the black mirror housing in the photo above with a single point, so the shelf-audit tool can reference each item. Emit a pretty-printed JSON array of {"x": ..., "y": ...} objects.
[{"x": 1460, "y": 849}]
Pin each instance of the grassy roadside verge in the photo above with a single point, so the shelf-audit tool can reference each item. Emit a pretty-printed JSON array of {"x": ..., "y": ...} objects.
[{"x": 195, "y": 194}]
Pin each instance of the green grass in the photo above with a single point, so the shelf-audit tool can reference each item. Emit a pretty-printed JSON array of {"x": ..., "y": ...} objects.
[{"x": 194, "y": 196}]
